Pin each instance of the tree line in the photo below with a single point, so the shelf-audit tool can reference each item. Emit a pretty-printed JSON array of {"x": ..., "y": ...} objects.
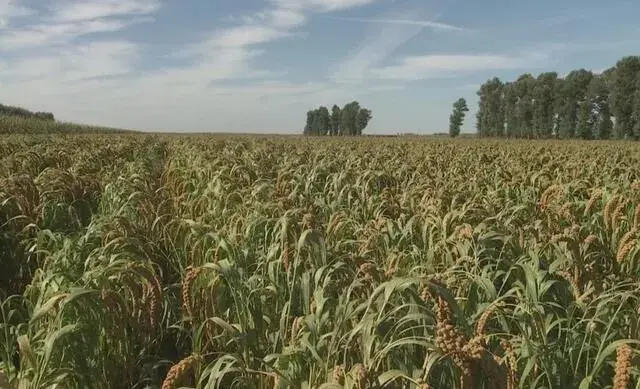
[
  {"x": 349, "y": 120},
  {"x": 583, "y": 104},
  {"x": 7, "y": 110}
]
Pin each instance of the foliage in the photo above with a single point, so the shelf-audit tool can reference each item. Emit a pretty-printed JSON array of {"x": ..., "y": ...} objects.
[
  {"x": 490, "y": 115},
  {"x": 581, "y": 105},
  {"x": 624, "y": 87},
  {"x": 456, "y": 119},
  {"x": 349, "y": 120},
  {"x": 147, "y": 261},
  {"x": 336, "y": 121},
  {"x": 6, "y": 110}
]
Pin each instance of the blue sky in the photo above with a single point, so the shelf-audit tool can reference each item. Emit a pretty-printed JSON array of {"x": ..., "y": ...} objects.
[{"x": 259, "y": 65}]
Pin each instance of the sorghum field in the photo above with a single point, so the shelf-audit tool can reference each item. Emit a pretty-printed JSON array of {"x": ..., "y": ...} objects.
[{"x": 167, "y": 261}]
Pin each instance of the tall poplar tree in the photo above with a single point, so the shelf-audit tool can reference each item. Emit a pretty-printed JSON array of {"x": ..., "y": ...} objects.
[
  {"x": 336, "y": 118},
  {"x": 623, "y": 91},
  {"x": 324, "y": 121},
  {"x": 509, "y": 101},
  {"x": 636, "y": 110},
  {"x": 349, "y": 114},
  {"x": 524, "y": 106},
  {"x": 544, "y": 93},
  {"x": 308, "y": 126},
  {"x": 585, "y": 120},
  {"x": 571, "y": 96},
  {"x": 456, "y": 119},
  {"x": 490, "y": 115},
  {"x": 598, "y": 97},
  {"x": 362, "y": 120}
]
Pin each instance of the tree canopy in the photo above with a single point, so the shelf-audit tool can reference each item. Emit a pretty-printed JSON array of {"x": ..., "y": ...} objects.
[
  {"x": 583, "y": 104},
  {"x": 456, "y": 119},
  {"x": 349, "y": 120}
]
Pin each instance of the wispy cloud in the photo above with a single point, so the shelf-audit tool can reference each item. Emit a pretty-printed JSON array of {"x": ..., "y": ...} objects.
[
  {"x": 230, "y": 53},
  {"x": 60, "y": 33},
  {"x": 82, "y": 62},
  {"x": 74, "y": 11},
  {"x": 71, "y": 19},
  {"x": 388, "y": 33},
  {"x": 240, "y": 44},
  {"x": 282, "y": 17},
  {"x": 409, "y": 22},
  {"x": 65, "y": 73},
  {"x": 445, "y": 65},
  {"x": 468, "y": 87},
  {"x": 10, "y": 9},
  {"x": 321, "y": 5},
  {"x": 247, "y": 35},
  {"x": 563, "y": 16},
  {"x": 380, "y": 43},
  {"x": 561, "y": 19}
]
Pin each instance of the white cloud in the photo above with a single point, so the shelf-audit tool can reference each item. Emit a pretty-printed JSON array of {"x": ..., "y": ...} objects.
[
  {"x": 442, "y": 65},
  {"x": 247, "y": 35},
  {"x": 60, "y": 33},
  {"x": 9, "y": 9},
  {"x": 438, "y": 65},
  {"x": 74, "y": 11},
  {"x": 423, "y": 23},
  {"x": 229, "y": 53},
  {"x": 285, "y": 17},
  {"x": 225, "y": 54},
  {"x": 160, "y": 102},
  {"x": 222, "y": 64},
  {"x": 322, "y": 5},
  {"x": 377, "y": 47},
  {"x": 279, "y": 17},
  {"x": 99, "y": 59},
  {"x": 68, "y": 20},
  {"x": 468, "y": 87},
  {"x": 385, "y": 37}
]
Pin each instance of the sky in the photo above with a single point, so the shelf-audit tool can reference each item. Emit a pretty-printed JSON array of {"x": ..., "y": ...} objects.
[{"x": 259, "y": 65}]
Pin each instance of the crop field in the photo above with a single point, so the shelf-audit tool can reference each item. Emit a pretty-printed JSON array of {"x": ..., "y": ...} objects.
[{"x": 167, "y": 261}]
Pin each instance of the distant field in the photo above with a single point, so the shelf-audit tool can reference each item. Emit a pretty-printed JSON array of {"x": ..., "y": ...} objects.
[
  {"x": 26, "y": 126},
  {"x": 160, "y": 261}
]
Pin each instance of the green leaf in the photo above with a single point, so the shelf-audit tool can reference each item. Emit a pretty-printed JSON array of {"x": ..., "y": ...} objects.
[
  {"x": 391, "y": 375},
  {"x": 46, "y": 307},
  {"x": 586, "y": 382},
  {"x": 52, "y": 338},
  {"x": 330, "y": 386}
]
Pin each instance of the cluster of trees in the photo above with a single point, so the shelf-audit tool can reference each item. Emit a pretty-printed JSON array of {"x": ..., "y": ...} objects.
[
  {"x": 7, "y": 110},
  {"x": 583, "y": 104},
  {"x": 351, "y": 119}
]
